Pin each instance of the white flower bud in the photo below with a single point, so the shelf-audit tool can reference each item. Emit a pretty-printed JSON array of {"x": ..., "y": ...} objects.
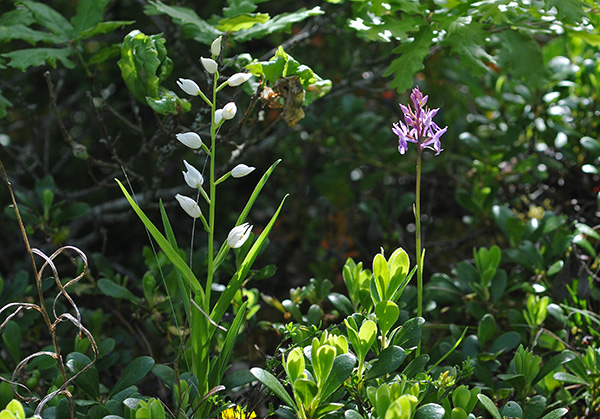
[
  {"x": 209, "y": 64},
  {"x": 190, "y": 139},
  {"x": 189, "y": 205},
  {"x": 192, "y": 177},
  {"x": 241, "y": 170},
  {"x": 238, "y": 78},
  {"x": 218, "y": 115},
  {"x": 215, "y": 47},
  {"x": 229, "y": 110},
  {"x": 189, "y": 86},
  {"x": 238, "y": 235}
]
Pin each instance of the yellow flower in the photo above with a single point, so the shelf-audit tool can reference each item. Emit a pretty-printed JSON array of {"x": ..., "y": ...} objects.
[{"x": 237, "y": 413}]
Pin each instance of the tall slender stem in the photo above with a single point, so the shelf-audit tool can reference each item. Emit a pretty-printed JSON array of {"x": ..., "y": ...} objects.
[
  {"x": 212, "y": 195},
  {"x": 419, "y": 250}
]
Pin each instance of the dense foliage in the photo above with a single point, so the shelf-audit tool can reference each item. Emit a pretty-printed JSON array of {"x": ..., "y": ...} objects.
[{"x": 116, "y": 298}]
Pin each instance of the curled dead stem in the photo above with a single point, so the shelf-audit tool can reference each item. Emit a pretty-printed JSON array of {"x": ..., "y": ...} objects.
[{"x": 51, "y": 319}]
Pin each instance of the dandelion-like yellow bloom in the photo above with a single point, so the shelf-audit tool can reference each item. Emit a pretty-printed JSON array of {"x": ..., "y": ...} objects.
[{"x": 237, "y": 413}]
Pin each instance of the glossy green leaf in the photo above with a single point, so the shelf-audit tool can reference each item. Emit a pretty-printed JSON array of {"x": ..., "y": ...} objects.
[
  {"x": 323, "y": 362},
  {"x": 556, "y": 413},
  {"x": 273, "y": 384},
  {"x": 352, "y": 414},
  {"x": 165, "y": 373},
  {"x": 489, "y": 406},
  {"x": 486, "y": 328},
  {"x": 367, "y": 335},
  {"x": 553, "y": 363},
  {"x": 306, "y": 391},
  {"x": 387, "y": 314},
  {"x": 88, "y": 380},
  {"x": 416, "y": 366},
  {"x": 341, "y": 303},
  {"x": 388, "y": 361},
  {"x": 505, "y": 342},
  {"x": 430, "y": 411},
  {"x": 512, "y": 409},
  {"x": 570, "y": 378},
  {"x": 343, "y": 365},
  {"x": 535, "y": 406},
  {"x": 295, "y": 364},
  {"x": 12, "y": 339},
  {"x": 458, "y": 413},
  {"x": 132, "y": 373},
  {"x": 409, "y": 329},
  {"x": 381, "y": 272}
]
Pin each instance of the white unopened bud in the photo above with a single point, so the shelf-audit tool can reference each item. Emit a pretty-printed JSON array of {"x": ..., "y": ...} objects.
[
  {"x": 238, "y": 235},
  {"x": 189, "y": 205},
  {"x": 209, "y": 64},
  {"x": 218, "y": 115},
  {"x": 190, "y": 139},
  {"x": 189, "y": 86},
  {"x": 238, "y": 78},
  {"x": 241, "y": 170},
  {"x": 229, "y": 110},
  {"x": 192, "y": 177},
  {"x": 215, "y": 47}
]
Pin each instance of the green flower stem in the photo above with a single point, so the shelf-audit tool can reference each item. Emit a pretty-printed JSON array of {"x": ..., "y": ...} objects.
[
  {"x": 419, "y": 250},
  {"x": 212, "y": 195}
]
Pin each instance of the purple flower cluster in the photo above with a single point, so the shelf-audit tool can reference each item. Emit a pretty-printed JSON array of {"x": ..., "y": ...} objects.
[{"x": 418, "y": 126}]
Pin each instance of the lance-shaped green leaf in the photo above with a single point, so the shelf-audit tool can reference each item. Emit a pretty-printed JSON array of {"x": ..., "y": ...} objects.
[
  {"x": 273, "y": 384},
  {"x": 259, "y": 186},
  {"x": 221, "y": 362},
  {"x": 164, "y": 244},
  {"x": 236, "y": 281}
]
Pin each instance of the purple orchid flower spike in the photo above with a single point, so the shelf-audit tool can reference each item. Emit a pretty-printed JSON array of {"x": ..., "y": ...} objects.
[{"x": 418, "y": 126}]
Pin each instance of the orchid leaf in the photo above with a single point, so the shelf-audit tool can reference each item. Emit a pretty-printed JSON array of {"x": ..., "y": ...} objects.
[
  {"x": 236, "y": 281},
  {"x": 164, "y": 244}
]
